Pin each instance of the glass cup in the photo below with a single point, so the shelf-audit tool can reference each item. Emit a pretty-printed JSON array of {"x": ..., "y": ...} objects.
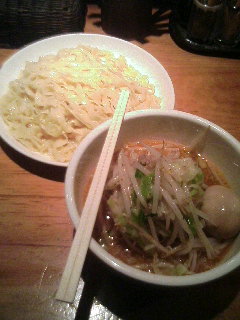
[
  {"x": 126, "y": 18},
  {"x": 204, "y": 20},
  {"x": 230, "y": 31}
]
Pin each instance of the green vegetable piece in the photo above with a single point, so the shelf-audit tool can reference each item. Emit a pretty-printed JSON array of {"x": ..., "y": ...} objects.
[
  {"x": 198, "y": 179},
  {"x": 195, "y": 188},
  {"x": 121, "y": 220},
  {"x": 193, "y": 192},
  {"x": 132, "y": 232},
  {"x": 139, "y": 217},
  {"x": 191, "y": 225},
  {"x": 139, "y": 174},
  {"x": 146, "y": 186},
  {"x": 134, "y": 197},
  {"x": 196, "y": 191},
  {"x": 180, "y": 270}
]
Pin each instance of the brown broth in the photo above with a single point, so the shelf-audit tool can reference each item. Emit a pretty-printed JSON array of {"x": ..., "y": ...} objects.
[{"x": 113, "y": 241}]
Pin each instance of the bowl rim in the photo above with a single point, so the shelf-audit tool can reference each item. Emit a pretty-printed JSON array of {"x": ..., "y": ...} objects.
[
  {"x": 116, "y": 264},
  {"x": 76, "y": 37}
]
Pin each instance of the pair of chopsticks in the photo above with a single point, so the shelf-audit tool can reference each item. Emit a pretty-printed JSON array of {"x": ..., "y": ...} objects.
[{"x": 71, "y": 275}]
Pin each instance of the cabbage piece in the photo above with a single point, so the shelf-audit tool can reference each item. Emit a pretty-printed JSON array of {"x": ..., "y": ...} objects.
[
  {"x": 115, "y": 203},
  {"x": 184, "y": 169},
  {"x": 181, "y": 270}
]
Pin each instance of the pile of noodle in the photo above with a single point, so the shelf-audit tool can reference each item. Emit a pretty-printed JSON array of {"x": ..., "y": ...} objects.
[{"x": 59, "y": 99}]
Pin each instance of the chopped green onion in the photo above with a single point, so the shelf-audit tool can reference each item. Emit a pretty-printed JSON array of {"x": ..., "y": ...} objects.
[
  {"x": 134, "y": 197},
  {"x": 196, "y": 190},
  {"x": 146, "y": 186},
  {"x": 191, "y": 225},
  {"x": 193, "y": 192},
  {"x": 198, "y": 179},
  {"x": 139, "y": 174},
  {"x": 139, "y": 217}
]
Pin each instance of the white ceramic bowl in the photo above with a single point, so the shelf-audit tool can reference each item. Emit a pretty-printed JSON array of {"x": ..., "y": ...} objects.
[
  {"x": 135, "y": 56},
  {"x": 176, "y": 126}
]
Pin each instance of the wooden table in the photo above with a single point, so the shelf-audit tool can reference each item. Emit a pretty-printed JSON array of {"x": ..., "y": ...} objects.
[{"x": 36, "y": 232}]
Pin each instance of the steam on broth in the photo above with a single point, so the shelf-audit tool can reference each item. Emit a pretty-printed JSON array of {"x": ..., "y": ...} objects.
[{"x": 151, "y": 213}]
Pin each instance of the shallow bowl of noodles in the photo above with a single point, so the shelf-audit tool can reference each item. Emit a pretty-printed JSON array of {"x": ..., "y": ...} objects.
[
  {"x": 56, "y": 90},
  {"x": 169, "y": 130}
]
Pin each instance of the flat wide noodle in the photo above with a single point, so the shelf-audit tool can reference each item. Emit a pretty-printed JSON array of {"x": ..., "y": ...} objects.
[{"x": 59, "y": 99}]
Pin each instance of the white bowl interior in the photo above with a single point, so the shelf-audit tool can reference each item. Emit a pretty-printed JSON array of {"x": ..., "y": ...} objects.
[
  {"x": 137, "y": 57},
  {"x": 221, "y": 148}
]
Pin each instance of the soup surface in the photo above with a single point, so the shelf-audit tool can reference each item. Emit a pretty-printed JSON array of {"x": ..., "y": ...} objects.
[{"x": 151, "y": 213}]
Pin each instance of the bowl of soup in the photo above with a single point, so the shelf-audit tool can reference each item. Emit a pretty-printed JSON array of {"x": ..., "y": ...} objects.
[{"x": 170, "y": 210}]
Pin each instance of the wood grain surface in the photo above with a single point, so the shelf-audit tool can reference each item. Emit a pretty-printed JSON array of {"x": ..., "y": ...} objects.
[{"x": 36, "y": 232}]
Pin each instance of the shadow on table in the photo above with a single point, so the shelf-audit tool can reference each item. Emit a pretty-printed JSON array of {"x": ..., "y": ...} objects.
[
  {"x": 43, "y": 170},
  {"x": 131, "y": 301}
]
